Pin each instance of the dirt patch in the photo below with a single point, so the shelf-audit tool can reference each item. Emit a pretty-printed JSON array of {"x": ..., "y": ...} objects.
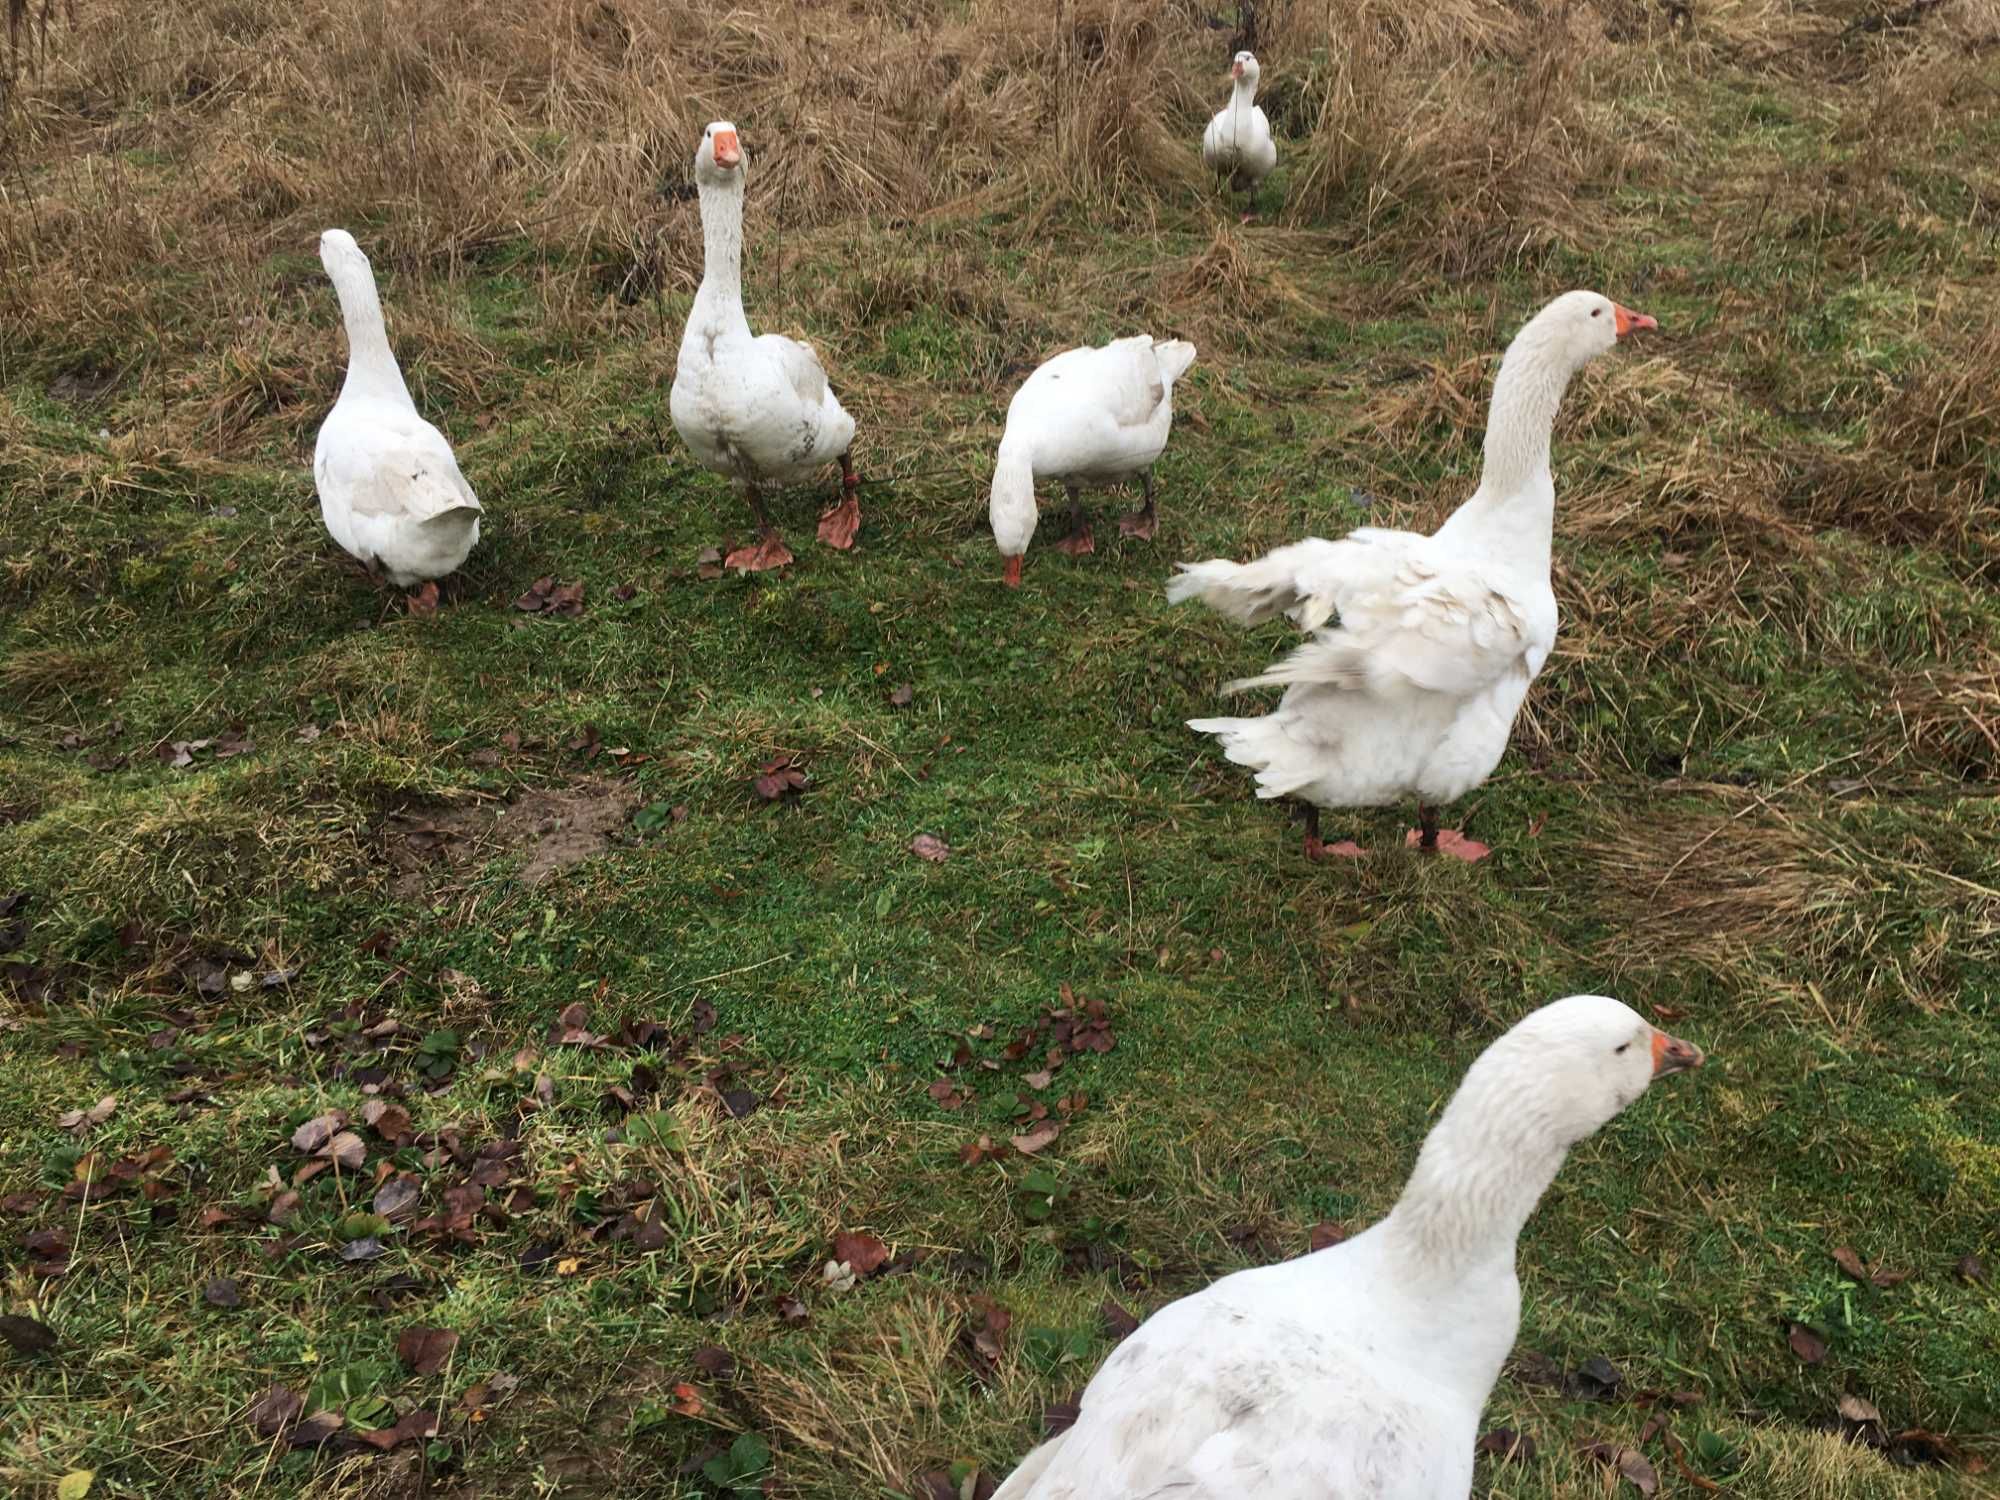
[{"x": 554, "y": 827}]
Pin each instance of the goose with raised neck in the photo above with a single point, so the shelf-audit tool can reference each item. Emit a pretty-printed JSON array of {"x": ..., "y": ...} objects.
[
  {"x": 1088, "y": 417},
  {"x": 1362, "y": 1369},
  {"x": 758, "y": 411},
  {"x": 1237, "y": 145},
  {"x": 389, "y": 486},
  {"x": 1413, "y": 693}
]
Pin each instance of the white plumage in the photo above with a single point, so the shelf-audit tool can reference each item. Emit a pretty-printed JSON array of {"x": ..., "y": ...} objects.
[
  {"x": 389, "y": 487},
  {"x": 756, "y": 409},
  {"x": 1237, "y": 143},
  {"x": 1360, "y": 1371},
  {"x": 1414, "y": 692},
  {"x": 1089, "y": 416}
]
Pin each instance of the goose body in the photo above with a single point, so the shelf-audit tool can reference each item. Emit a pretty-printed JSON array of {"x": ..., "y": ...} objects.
[
  {"x": 389, "y": 487},
  {"x": 1361, "y": 1370},
  {"x": 1412, "y": 693},
  {"x": 1086, "y": 417},
  {"x": 1237, "y": 143},
  {"x": 756, "y": 409}
]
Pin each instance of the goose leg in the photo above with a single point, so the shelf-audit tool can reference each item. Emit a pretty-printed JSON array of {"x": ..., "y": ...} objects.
[
  {"x": 1145, "y": 521},
  {"x": 1345, "y": 849},
  {"x": 769, "y": 551},
  {"x": 1428, "y": 838},
  {"x": 1078, "y": 541},
  {"x": 840, "y": 522}
]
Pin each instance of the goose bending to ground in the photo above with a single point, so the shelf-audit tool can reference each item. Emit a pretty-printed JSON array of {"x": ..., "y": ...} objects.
[
  {"x": 1414, "y": 691},
  {"x": 758, "y": 410},
  {"x": 1086, "y": 417},
  {"x": 389, "y": 488},
  {"x": 1360, "y": 1370},
  {"x": 1237, "y": 143}
]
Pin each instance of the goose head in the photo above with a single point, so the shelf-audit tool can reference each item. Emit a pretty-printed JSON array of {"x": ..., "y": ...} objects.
[
  {"x": 1579, "y": 326},
  {"x": 1243, "y": 69},
  {"x": 719, "y": 160},
  {"x": 341, "y": 256},
  {"x": 1011, "y": 509},
  {"x": 1568, "y": 1069}
]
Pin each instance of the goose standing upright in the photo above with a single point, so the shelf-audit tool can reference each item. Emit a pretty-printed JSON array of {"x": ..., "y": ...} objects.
[
  {"x": 1237, "y": 143},
  {"x": 389, "y": 487},
  {"x": 1414, "y": 692},
  {"x": 1085, "y": 417},
  {"x": 758, "y": 410},
  {"x": 1361, "y": 1370}
]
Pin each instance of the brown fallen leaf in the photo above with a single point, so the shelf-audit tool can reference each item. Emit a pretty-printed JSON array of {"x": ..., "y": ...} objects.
[
  {"x": 316, "y": 1132},
  {"x": 222, "y": 1292},
  {"x": 275, "y": 1410},
  {"x": 860, "y": 1252},
  {"x": 779, "y": 779},
  {"x": 1506, "y": 1445},
  {"x": 1850, "y": 1263},
  {"x": 81, "y": 1120},
  {"x": 1037, "y": 1137},
  {"x": 715, "y": 1362},
  {"x": 27, "y": 1335},
  {"x": 1633, "y": 1465},
  {"x": 1856, "y": 1409},
  {"x": 1807, "y": 1343},
  {"x": 931, "y": 847},
  {"x": 426, "y": 1350},
  {"x": 1324, "y": 1234},
  {"x": 900, "y": 698},
  {"x": 1119, "y": 1321},
  {"x": 972, "y": 1153},
  {"x": 1971, "y": 1269}
]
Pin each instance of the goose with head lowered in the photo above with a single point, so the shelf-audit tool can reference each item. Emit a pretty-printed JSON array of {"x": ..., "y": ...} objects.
[
  {"x": 1089, "y": 416},
  {"x": 389, "y": 487},
  {"x": 1237, "y": 144},
  {"x": 1413, "y": 693},
  {"x": 1360, "y": 1371},
  {"x": 757, "y": 410}
]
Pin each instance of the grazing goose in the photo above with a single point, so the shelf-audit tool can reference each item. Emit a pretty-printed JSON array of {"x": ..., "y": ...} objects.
[
  {"x": 1359, "y": 1371},
  {"x": 1414, "y": 691},
  {"x": 1085, "y": 417},
  {"x": 1237, "y": 143},
  {"x": 389, "y": 488},
  {"x": 757, "y": 410}
]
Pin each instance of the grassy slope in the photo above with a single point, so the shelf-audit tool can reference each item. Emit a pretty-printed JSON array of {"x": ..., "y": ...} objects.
[{"x": 1736, "y": 830}]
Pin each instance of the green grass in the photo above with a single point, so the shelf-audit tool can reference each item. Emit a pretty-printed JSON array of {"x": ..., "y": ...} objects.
[{"x": 1712, "y": 811}]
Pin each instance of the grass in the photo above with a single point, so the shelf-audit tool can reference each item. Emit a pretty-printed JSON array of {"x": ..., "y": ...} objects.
[{"x": 1753, "y": 792}]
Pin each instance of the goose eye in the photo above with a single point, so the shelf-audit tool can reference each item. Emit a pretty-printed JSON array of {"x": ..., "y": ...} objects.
[
  {"x": 1622, "y": 1047},
  {"x": 1596, "y": 312}
]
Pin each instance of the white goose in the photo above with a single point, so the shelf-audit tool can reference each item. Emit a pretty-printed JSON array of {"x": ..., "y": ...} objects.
[
  {"x": 758, "y": 410},
  {"x": 1414, "y": 692},
  {"x": 389, "y": 488},
  {"x": 1361, "y": 1370},
  {"x": 1085, "y": 417},
  {"x": 1237, "y": 143}
]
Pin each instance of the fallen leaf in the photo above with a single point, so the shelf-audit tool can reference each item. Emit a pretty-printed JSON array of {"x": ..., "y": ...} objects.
[
  {"x": 1037, "y": 1137},
  {"x": 1038, "y": 1080},
  {"x": 930, "y": 847},
  {"x": 27, "y": 1335},
  {"x": 1536, "y": 1370},
  {"x": 948, "y": 1094},
  {"x": 739, "y": 1102},
  {"x": 1324, "y": 1234},
  {"x": 398, "y": 1197},
  {"x": 1119, "y": 1321},
  {"x": 425, "y": 1350},
  {"x": 1629, "y": 1462},
  {"x": 715, "y": 1361},
  {"x": 84, "y": 1119},
  {"x": 1856, "y": 1409},
  {"x": 1971, "y": 1268},
  {"x": 838, "y": 1276},
  {"x": 1884, "y": 1278},
  {"x": 792, "y": 1312},
  {"x": 1807, "y": 1343},
  {"x": 779, "y": 779},
  {"x": 366, "y": 1248},
  {"x": 1849, "y": 1262},
  {"x": 900, "y": 698},
  {"x": 222, "y": 1292},
  {"x": 75, "y": 1484},
  {"x": 346, "y": 1151},
  {"x": 315, "y": 1429},
  {"x": 1507, "y": 1445},
  {"x": 972, "y": 1153},
  {"x": 316, "y": 1132},
  {"x": 1597, "y": 1379},
  {"x": 275, "y": 1410},
  {"x": 863, "y": 1252}
]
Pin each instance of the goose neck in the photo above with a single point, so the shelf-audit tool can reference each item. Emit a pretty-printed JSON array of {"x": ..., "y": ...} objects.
[
  {"x": 722, "y": 247},
  {"x": 371, "y": 364}
]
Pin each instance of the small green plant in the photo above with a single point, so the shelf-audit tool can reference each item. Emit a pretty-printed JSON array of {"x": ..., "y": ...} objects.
[
  {"x": 437, "y": 1055},
  {"x": 741, "y": 1470},
  {"x": 1048, "y": 1349},
  {"x": 1041, "y": 1193}
]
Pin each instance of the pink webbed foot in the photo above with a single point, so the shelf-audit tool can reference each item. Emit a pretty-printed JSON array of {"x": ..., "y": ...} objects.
[{"x": 1449, "y": 841}]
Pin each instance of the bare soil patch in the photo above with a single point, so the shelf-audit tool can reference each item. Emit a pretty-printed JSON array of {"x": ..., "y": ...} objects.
[{"x": 555, "y": 827}]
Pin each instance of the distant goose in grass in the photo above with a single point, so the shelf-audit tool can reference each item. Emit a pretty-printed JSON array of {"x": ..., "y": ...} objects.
[
  {"x": 758, "y": 410},
  {"x": 1414, "y": 691},
  {"x": 1086, "y": 417},
  {"x": 1237, "y": 143},
  {"x": 389, "y": 487},
  {"x": 1360, "y": 1371}
]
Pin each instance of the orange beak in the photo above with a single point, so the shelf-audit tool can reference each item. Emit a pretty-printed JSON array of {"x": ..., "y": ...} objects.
[
  {"x": 729, "y": 153},
  {"x": 1626, "y": 320},
  {"x": 1012, "y": 576},
  {"x": 1236, "y": 70},
  {"x": 1670, "y": 1053}
]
